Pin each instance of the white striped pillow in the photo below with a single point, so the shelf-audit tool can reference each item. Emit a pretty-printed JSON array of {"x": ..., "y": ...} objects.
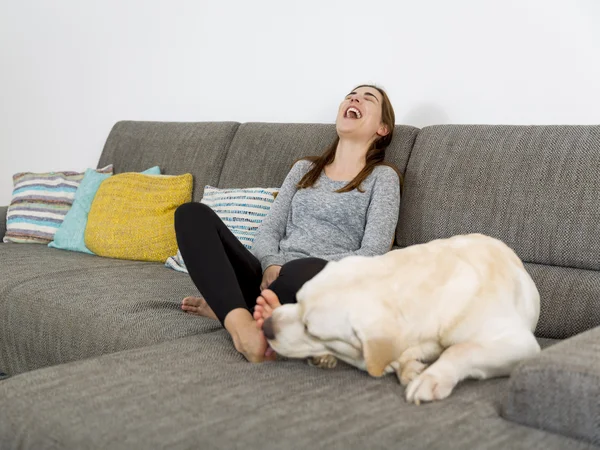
[
  {"x": 242, "y": 210},
  {"x": 39, "y": 204}
]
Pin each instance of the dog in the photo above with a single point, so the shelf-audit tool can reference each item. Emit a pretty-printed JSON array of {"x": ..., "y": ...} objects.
[{"x": 434, "y": 313}]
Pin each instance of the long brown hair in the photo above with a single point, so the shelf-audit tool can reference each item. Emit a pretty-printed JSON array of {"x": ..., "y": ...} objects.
[{"x": 375, "y": 155}]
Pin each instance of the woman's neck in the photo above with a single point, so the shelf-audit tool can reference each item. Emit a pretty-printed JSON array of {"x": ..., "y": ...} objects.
[{"x": 350, "y": 159}]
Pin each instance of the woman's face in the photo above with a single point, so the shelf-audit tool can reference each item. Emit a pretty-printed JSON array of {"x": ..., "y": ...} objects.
[{"x": 359, "y": 115}]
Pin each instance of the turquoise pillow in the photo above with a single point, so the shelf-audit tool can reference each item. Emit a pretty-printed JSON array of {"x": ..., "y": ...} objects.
[{"x": 70, "y": 234}]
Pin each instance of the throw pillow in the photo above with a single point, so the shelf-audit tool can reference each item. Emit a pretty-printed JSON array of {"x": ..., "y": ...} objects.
[
  {"x": 39, "y": 204},
  {"x": 242, "y": 210},
  {"x": 132, "y": 216},
  {"x": 70, "y": 233},
  {"x": 176, "y": 263}
]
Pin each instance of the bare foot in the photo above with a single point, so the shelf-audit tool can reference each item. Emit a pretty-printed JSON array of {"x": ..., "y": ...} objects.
[
  {"x": 247, "y": 339},
  {"x": 265, "y": 304},
  {"x": 198, "y": 307}
]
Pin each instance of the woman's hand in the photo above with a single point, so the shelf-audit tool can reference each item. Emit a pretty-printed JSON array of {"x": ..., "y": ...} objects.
[{"x": 270, "y": 275}]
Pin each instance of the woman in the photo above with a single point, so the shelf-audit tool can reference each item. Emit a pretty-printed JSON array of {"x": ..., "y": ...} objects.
[{"x": 342, "y": 203}]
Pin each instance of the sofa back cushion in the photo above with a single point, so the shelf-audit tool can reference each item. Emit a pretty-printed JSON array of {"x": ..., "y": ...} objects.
[
  {"x": 569, "y": 300},
  {"x": 198, "y": 148},
  {"x": 534, "y": 187},
  {"x": 262, "y": 154}
]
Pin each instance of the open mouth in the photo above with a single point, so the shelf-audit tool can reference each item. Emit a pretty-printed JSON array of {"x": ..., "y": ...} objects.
[{"x": 352, "y": 113}]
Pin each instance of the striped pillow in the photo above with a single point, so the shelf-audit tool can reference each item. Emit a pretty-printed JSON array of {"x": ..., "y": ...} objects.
[
  {"x": 242, "y": 210},
  {"x": 39, "y": 204}
]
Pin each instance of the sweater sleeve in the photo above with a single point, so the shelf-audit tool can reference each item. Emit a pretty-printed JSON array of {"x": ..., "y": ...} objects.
[
  {"x": 382, "y": 217},
  {"x": 272, "y": 229}
]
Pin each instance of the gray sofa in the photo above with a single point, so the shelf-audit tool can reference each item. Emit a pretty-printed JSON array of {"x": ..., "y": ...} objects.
[{"x": 98, "y": 354}]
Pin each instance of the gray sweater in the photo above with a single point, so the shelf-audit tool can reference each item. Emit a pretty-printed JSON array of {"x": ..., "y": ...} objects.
[{"x": 319, "y": 222}]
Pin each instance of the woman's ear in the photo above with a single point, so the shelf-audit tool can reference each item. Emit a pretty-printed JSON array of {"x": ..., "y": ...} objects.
[{"x": 383, "y": 130}]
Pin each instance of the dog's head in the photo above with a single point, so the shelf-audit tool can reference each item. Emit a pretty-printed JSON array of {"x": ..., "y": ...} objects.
[{"x": 340, "y": 315}]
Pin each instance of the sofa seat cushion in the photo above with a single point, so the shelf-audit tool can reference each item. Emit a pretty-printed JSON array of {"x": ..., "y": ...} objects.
[
  {"x": 198, "y": 392},
  {"x": 58, "y": 306},
  {"x": 559, "y": 391}
]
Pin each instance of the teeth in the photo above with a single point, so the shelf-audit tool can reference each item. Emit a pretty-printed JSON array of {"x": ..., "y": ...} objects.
[{"x": 355, "y": 111}]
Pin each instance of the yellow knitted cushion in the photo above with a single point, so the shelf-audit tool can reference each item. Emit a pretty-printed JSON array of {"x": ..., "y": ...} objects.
[{"x": 132, "y": 216}]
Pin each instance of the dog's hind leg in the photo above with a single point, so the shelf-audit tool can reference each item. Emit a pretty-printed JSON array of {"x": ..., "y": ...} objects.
[
  {"x": 323, "y": 362},
  {"x": 480, "y": 360}
]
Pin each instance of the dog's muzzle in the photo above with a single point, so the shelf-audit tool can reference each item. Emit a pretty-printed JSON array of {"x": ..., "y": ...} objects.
[{"x": 268, "y": 328}]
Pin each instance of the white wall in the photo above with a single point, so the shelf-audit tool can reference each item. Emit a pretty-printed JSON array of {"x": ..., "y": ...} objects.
[{"x": 71, "y": 68}]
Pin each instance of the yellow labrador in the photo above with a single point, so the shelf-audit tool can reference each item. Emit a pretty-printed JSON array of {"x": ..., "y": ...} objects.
[{"x": 435, "y": 313}]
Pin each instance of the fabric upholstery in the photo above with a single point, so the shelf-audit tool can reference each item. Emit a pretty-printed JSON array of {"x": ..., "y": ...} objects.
[
  {"x": 39, "y": 204},
  {"x": 261, "y": 154},
  {"x": 71, "y": 232},
  {"x": 139, "y": 373},
  {"x": 58, "y": 306},
  {"x": 570, "y": 300},
  {"x": 534, "y": 187},
  {"x": 241, "y": 209},
  {"x": 559, "y": 391},
  {"x": 268, "y": 151},
  {"x": 3, "y": 210},
  {"x": 133, "y": 216},
  {"x": 177, "y": 147},
  {"x": 197, "y": 392}
]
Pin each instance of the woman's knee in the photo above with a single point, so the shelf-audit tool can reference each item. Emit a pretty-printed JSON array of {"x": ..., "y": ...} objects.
[
  {"x": 304, "y": 266},
  {"x": 192, "y": 212}
]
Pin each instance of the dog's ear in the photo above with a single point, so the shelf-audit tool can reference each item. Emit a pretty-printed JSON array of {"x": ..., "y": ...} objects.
[
  {"x": 378, "y": 353},
  {"x": 378, "y": 346}
]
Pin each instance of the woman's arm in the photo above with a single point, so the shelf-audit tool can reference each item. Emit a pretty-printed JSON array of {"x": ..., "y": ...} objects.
[
  {"x": 272, "y": 229},
  {"x": 382, "y": 217}
]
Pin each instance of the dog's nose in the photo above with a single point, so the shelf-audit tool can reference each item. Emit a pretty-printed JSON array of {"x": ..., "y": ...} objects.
[{"x": 268, "y": 328}]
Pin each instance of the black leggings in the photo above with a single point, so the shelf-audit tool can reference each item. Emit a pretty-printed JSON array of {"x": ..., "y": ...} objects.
[{"x": 225, "y": 272}]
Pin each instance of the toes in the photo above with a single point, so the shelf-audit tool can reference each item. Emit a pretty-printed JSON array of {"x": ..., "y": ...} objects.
[
  {"x": 410, "y": 371},
  {"x": 428, "y": 387},
  {"x": 261, "y": 301},
  {"x": 406, "y": 377},
  {"x": 192, "y": 301},
  {"x": 271, "y": 298}
]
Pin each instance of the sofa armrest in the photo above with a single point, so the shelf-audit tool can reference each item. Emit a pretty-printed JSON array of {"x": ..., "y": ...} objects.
[
  {"x": 559, "y": 390},
  {"x": 3, "y": 210}
]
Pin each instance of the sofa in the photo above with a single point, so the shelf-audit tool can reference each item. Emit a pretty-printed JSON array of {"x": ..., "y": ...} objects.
[{"x": 98, "y": 355}]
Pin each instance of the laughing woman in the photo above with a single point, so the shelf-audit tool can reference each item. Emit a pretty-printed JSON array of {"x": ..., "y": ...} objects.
[{"x": 344, "y": 202}]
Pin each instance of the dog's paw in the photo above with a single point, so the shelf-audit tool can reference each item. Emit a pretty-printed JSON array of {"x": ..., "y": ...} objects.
[
  {"x": 410, "y": 371},
  {"x": 428, "y": 387},
  {"x": 323, "y": 362}
]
